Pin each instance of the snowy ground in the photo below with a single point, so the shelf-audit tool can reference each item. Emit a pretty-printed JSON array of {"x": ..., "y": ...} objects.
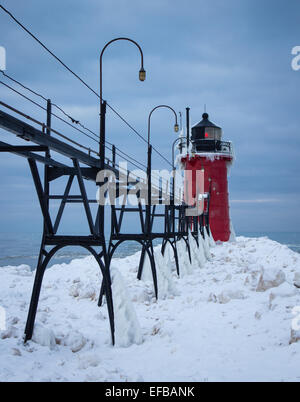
[{"x": 225, "y": 319}]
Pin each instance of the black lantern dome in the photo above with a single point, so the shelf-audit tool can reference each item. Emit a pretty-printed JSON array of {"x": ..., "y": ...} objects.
[{"x": 206, "y": 136}]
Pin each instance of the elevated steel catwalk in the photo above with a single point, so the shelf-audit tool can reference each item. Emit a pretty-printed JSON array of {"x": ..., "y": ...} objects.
[
  {"x": 30, "y": 133},
  {"x": 176, "y": 224}
]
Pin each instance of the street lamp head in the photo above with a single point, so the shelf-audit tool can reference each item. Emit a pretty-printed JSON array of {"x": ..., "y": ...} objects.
[
  {"x": 176, "y": 128},
  {"x": 142, "y": 74}
]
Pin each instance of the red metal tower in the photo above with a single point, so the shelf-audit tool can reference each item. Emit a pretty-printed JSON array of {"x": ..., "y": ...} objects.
[{"x": 213, "y": 155}]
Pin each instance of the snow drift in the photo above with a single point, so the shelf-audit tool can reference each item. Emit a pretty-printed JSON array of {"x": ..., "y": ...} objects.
[{"x": 233, "y": 317}]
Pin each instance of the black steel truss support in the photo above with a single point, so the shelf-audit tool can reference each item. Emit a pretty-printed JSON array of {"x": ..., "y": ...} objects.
[
  {"x": 63, "y": 203},
  {"x": 41, "y": 196},
  {"x": 27, "y": 154},
  {"x": 87, "y": 173},
  {"x": 172, "y": 242},
  {"x": 22, "y": 148},
  {"x": 44, "y": 259},
  {"x": 177, "y": 225},
  {"x": 52, "y": 171},
  {"x": 84, "y": 197},
  {"x": 57, "y": 242}
]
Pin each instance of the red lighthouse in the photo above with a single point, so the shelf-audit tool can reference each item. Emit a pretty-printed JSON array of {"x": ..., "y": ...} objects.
[{"x": 213, "y": 155}]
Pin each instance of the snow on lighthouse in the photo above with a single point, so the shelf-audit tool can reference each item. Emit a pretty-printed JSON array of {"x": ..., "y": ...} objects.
[{"x": 213, "y": 155}]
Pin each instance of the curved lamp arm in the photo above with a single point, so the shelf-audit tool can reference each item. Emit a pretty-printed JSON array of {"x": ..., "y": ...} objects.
[
  {"x": 176, "y": 127},
  {"x": 142, "y": 72},
  {"x": 173, "y": 146}
]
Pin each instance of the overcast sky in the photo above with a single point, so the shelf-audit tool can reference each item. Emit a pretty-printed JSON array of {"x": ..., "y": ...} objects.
[{"x": 234, "y": 56}]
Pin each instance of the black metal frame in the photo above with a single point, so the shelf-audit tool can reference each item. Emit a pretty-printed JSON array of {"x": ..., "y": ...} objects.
[
  {"x": 52, "y": 171},
  {"x": 176, "y": 224}
]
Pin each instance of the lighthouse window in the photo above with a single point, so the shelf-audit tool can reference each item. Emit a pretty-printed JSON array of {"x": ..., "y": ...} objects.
[{"x": 213, "y": 133}]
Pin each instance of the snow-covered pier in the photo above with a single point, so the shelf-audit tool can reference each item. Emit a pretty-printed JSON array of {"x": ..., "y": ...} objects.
[{"x": 229, "y": 318}]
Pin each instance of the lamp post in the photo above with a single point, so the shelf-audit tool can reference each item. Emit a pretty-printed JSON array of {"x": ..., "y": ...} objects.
[
  {"x": 176, "y": 129},
  {"x": 173, "y": 149},
  {"x": 142, "y": 77},
  {"x": 173, "y": 181},
  {"x": 180, "y": 119}
]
